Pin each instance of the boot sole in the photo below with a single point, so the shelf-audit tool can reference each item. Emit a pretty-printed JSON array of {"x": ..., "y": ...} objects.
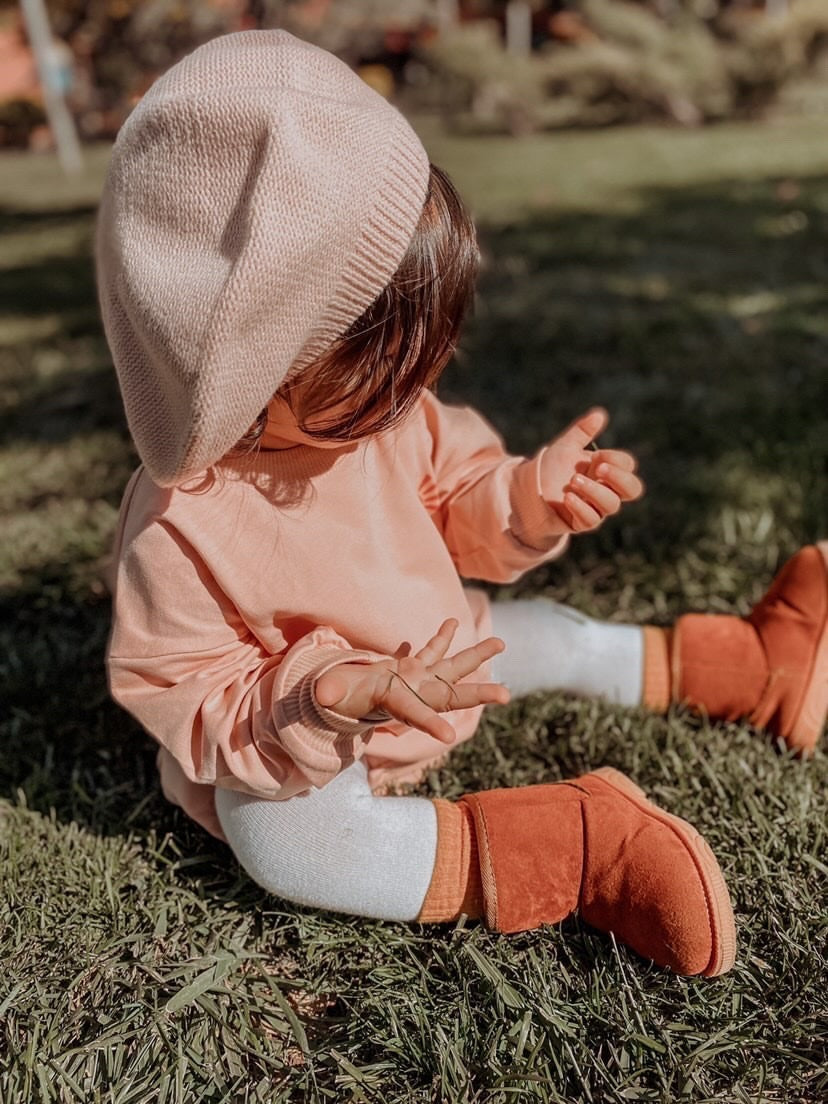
[
  {"x": 719, "y": 909},
  {"x": 810, "y": 719}
]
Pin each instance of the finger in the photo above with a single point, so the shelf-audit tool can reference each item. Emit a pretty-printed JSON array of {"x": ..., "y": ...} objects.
[
  {"x": 466, "y": 695},
  {"x": 404, "y": 705},
  {"x": 601, "y": 497},
  {"x": 330, "y": 689},
  {"x": 441, "y": 696},
  {"x": 617, "y": 457},
  {"x": 587, "y": 427},
  {"x": 468, "y": 660},
  {"x": 437, "y": 647},
  {"x": 584, "y": 517},
  {"x": 563, "y": 514},
  {"x": 626, "y": 484}
]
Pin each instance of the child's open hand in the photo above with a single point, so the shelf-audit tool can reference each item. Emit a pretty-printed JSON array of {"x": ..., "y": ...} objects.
[
  {"x": 414, "y": 689},
  {"x": 585, "y": 486}
]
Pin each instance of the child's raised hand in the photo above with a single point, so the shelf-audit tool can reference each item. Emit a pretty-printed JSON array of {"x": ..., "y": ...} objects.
[
  {"x": 585, "y": 486},
  {"x": 414, "y": 689}
]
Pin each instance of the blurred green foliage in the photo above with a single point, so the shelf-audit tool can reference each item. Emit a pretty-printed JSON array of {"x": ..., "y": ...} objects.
[
  {"x": 625, "y": 64},
  {"x": 609, "y": 62},
  {"x": 18, "y": 118},
  {"x": 121, "y": 45}
]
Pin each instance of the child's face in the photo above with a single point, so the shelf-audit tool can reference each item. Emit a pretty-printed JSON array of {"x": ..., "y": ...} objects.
[
  {"x": 320, "y": 419},
  {"x": 284, "y": 415},
  {"x": 297, "y": 393}
]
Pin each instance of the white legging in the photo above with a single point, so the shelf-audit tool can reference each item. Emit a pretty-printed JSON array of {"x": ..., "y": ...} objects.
[
  {"x": 338, "y": 848},
  {"x": 343, "y": 849}
]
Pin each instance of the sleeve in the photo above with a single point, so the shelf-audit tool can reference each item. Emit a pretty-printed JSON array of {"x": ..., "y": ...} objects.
[
  {"x": 184, "y": 663},
  {"x": 487, "y": 503}
]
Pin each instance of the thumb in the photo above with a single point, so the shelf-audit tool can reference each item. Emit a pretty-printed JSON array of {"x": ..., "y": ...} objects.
[
  {"x": 587, "y": 427},
  {"x": 329, "y": 689}
]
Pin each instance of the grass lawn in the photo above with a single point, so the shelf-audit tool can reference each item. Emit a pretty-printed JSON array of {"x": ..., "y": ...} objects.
[{"x": 680, "y": 279}]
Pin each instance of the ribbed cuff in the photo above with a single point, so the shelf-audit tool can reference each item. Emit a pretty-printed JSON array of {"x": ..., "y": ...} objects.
[
  {"x": 390, "y": 220},
  {"x": 455, "y": 887},
  {"x": 320, "y": 741},
  {"x": 657, "y": 688}
]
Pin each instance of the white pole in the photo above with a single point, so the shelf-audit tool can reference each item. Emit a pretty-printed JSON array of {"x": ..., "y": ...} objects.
[
  {"x": 518, "y": 28},
  {"x": 49, "y": 71},
  {"x": 448, "y": 13}
]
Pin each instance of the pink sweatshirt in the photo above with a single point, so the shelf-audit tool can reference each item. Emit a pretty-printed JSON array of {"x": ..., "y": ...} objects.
[{"x": 237, "y": 590}]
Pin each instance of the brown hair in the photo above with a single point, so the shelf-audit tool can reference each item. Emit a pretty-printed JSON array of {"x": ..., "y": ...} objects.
[{"x": 404, "y": 340}]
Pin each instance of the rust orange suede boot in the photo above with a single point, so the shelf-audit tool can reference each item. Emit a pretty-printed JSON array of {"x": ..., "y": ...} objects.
[
  {"x": 770, "y": 667},
  {"x": 595, "y": 844}
]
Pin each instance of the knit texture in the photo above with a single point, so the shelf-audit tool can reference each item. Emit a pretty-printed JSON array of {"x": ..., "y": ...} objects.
[
  {"x": 258, "y": 200},
  {"x": 455, "y": 888},
  {"x": 338, "y": 848},
  {"x": 657, "y": 688}
]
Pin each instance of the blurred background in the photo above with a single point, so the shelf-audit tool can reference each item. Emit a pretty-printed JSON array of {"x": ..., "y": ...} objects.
[{"x": 510, "y": 67}]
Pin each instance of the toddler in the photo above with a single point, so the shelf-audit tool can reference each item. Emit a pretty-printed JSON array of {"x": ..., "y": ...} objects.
[{"x": 282, "y": 278}]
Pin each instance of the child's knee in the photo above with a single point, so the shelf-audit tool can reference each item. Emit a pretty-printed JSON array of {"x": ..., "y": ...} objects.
[{"x": 244, "y": 821}]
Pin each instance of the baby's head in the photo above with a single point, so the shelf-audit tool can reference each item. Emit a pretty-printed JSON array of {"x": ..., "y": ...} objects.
[
  {"x": 371, "y": 376},
  {"x": 270, "y": 225}
]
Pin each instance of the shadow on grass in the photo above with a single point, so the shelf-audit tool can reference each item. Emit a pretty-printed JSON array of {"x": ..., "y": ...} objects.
[
  {"x": 68, "y": 747},
  {"x": 53, "y": 285},
  {"x": 56, "y": 379},
  {"x": 13, "y": 218},
  {"x": 698, "y": 320}
]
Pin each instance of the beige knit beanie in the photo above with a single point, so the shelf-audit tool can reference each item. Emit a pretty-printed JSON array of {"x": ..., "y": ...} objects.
[{"x": 258, "y": 200}]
